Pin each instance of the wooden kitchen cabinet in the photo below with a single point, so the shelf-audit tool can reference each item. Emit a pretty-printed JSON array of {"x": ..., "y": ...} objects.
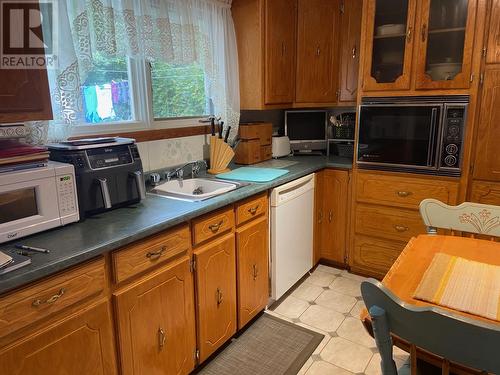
[
  {"x": 156, "y": 322},
  {"x": 493, "y": 35},
  {"x": 265, "y": 35},
  {"x": 389, "y": 34},
  {"x": 444, "y": 44},
  {"x": 331, "y": 215},
  {"x": 350, "y": 35},
  {"x": 317, "y": 51},
  {"x": 80, "y": 344},
  {"x": 485, "y": 192},
  {"x": 215, "y": 294},
  {"x": 252, "y": 253},
  {"x": 487, "y": 160}
]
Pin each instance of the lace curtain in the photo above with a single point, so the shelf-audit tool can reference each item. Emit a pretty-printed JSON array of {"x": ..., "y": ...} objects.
[{"x": 173, "y": 31}]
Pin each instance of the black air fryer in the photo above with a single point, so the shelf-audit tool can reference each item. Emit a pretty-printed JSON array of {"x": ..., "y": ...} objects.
[{"x": 108, "y": 172}]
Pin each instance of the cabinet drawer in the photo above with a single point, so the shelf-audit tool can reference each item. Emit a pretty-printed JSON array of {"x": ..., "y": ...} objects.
[
  {"x": 263, "y": 132},
  {"x": 212, "y": 225},
  {"x": 148, "y": 253},
  {"x": 266, "y": 152},
  {"x": 374, "y": 257},
  {"x": 390, "y": 223},
  {"x": 31, "y": 304},
  {"x": 251, "y": 208},
  {"x": 404, "y": 192},
  {"x": 247, "y": 152}
]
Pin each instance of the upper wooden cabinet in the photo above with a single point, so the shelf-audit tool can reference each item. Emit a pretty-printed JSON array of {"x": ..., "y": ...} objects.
[
  {"x": 350, "y": 38},
  {"x": 156, "y": 323},
  {"x": 389, "y": 34},
  {"x": 280, "y": 16},
  {"x": 487, "y": 161},
  {"x": 444, "y": 44},
  {"x": 317, "y": 50},
  {"x": 432, "y": 40},
  {"x": 493, "y": 36},
  {"x": 24, "y": 95}
]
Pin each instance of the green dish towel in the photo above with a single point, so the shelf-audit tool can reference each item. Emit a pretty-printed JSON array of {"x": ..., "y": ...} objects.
[{"x": 251, "y": 174}]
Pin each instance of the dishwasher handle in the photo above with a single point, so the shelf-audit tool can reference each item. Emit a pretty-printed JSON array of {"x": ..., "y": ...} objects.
[{"x": 291, "y": 190}]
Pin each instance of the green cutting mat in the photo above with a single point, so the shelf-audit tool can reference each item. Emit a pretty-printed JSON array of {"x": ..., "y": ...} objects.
[{"x": 253, "y": 174}]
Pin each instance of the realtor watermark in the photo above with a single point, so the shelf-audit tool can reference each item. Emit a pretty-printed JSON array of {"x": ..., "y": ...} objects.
[{"x": 28, "y": 34}]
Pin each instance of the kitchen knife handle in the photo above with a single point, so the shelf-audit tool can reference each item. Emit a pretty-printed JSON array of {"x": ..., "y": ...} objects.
[{"x": 106, "y": 198}]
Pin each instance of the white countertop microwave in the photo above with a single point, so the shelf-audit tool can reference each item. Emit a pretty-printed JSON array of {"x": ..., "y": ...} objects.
[{"x": 38, "y": 199}]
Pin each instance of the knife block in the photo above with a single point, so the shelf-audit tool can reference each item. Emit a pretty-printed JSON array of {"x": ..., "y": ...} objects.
[{"x": 221, "y": 155}]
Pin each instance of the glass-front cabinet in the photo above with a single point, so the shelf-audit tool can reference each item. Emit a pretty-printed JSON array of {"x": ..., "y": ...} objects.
[
  {"x": 444, "y": 46},
  {"x": 390, "y": 29}
]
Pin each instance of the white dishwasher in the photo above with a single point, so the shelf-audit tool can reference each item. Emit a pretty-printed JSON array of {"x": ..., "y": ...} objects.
[{"x": 292, "y": 207}]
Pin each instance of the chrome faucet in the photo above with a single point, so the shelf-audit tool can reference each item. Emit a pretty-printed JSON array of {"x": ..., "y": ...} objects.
[{"x": 179, "y": 172}]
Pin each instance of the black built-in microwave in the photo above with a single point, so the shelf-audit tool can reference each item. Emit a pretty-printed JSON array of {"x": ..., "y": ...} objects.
[{"x": 412, "y": 134}]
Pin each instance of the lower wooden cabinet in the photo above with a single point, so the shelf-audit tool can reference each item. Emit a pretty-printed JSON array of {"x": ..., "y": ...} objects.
[
  {"x": 81, "y": 344},
  {"x": 485, "y": 192},
  {"x": 156, "y": 322},
  {"x": 252, "y": 244},
  {"x": 215, "y": 294},
  {"x": 332, "y": 190}
]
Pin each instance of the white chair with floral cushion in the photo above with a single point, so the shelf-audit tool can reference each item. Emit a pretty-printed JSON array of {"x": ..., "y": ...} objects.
[{"x": 473, "y": 218}]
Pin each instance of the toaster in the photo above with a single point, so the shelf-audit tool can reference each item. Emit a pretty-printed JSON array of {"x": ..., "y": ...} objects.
[
  {"x": 108, "y": 172},
  {"x": 281, "y": 146}
]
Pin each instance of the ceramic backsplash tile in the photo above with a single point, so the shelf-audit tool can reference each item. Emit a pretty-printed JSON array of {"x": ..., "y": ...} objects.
[{"x": 165, "y": 153}]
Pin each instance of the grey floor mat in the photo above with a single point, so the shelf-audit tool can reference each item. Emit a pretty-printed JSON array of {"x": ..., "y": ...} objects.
[{"x": 271, "y": 346}]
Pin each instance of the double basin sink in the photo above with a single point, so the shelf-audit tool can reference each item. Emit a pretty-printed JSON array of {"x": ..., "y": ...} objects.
[{"x": 195, "y": 189}]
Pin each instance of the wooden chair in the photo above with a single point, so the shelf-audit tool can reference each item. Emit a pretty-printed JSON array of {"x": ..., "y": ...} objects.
[
  {"x": 471, "y": 218},
  {"x": 453, "y": 337}
]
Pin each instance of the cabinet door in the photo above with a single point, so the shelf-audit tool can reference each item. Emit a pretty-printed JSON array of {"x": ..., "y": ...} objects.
[
  {"x": 493, "y": 41},
  {"x": 389, "y": 44},
  {"x": 335, "y": 197},
  {"x": 216, "y": 294},
  {"x": 79, "y": 345},
  {"x": 317, "y": 70},
  {"x": 318, "y": 212},
  {"x": 485, "y": 192},
  {"x": 252, "y": 255},
  {"x": 156, "y": 322},
  {"x": 445, "y": 43},
  {"x": 350, "y": 49},
  {"x": 487, "y": 161},
  {"x": 24, "y": 95},
  {"x": 280, "y": 16}
]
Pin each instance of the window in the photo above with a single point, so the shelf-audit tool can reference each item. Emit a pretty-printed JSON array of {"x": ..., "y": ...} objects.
[
  {"x": 178, "y": 91},
  {"x": 106, "y": 92}
]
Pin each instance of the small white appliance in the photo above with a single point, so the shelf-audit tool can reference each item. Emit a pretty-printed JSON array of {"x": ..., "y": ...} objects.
[
  {"x": 281, "y": 146},
  {"x": 292, "y": 214},
  {"x": 38, "y": 199}
]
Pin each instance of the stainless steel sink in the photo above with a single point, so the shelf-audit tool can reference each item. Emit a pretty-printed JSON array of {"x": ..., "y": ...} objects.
[{"x": 194, "y": 189}]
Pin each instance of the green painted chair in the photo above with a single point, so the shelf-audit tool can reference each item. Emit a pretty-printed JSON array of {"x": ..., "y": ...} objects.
[{"x": 453, "y": 337}]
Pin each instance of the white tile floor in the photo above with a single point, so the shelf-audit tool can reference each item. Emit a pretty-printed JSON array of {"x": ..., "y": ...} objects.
[{"x": 329, "y": 301}]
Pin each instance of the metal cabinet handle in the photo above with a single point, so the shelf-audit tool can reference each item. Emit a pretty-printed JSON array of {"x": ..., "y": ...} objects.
[
  {"x": 255, "y": 272},
  {"x": 403, "y": 194},
  {"x": 139, "y": 181},
  {"x": 219, "y": 297},
  {"x": 52, "y": 299},
  {"x": 424, "y": 32},
  {"x": 162, "y": 338},
  {"x": 153, "y": 255},
  {"x": 216, "y": 227},
  {"x": 318, "y": 51},
  {"x": 409, "y": 34},
  {"x": 283, "y": 49},
  {"x": 330, "y": 216},
  {"x": 253, "y": 210},
  {"x": 354, "y": 51},
  {"x": 401, "y": 228},
  {"x": 320, "y": 216},
  {"x": 106, "y": 197}
]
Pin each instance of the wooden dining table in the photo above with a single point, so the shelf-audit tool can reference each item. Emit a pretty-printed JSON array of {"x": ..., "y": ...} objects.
[{"x": 407, "y": 271}]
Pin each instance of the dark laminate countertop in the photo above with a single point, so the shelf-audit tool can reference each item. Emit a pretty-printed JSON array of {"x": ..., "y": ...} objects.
[{"x": 78, "y": 242}]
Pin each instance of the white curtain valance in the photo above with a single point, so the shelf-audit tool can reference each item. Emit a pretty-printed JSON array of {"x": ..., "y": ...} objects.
[{"x": 173, "y": 31}]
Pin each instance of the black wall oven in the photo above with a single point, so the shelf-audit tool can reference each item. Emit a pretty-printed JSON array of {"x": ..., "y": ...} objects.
[{"x": 412, "y": 134}]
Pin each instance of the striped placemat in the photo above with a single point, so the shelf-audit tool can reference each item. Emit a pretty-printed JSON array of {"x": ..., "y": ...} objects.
[{"x": 462, "y": 284}]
